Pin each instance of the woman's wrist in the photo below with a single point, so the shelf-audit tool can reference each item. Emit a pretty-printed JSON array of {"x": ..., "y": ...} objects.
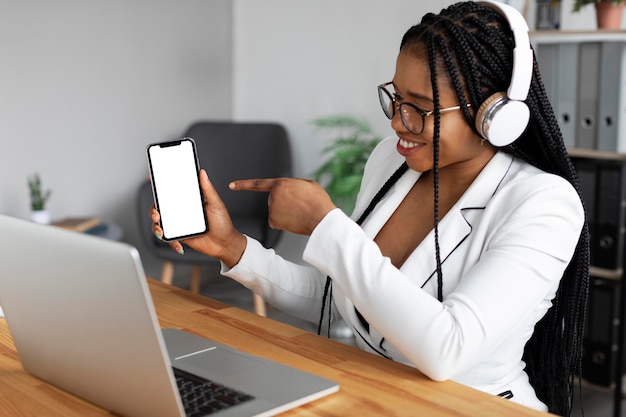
[{"x": 234, "y": 250}]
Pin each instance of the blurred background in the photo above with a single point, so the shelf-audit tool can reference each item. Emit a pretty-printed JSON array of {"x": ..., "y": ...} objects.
[{"x": 85, "y": 85}]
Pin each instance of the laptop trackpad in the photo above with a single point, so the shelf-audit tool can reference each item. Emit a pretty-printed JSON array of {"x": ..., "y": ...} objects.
[{"x": 219, "y": 361}]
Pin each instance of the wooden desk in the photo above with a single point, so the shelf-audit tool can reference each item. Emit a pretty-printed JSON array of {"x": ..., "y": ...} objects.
[{"x": 370, "y": 385}]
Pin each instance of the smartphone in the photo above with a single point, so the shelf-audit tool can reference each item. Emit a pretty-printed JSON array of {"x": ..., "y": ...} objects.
[{"x": 174, "y": 170}]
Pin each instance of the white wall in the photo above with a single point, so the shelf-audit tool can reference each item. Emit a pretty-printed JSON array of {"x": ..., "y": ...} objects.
[
  {"x": 296, "y": 60},
  {"x": 85, "y": 85}
]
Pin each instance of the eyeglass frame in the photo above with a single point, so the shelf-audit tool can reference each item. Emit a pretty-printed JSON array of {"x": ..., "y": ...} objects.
[{"x": 398, "y": 105}]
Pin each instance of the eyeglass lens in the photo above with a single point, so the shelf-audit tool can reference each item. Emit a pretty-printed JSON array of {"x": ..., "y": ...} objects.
[
  {"x": 386, "y": 102},
  {"x": 409, "y": 115}
]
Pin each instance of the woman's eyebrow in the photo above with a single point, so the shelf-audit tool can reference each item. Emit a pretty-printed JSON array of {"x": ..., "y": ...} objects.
[
  {"x": 419, "y": 96},
  {"x": 413, "y": 95}
]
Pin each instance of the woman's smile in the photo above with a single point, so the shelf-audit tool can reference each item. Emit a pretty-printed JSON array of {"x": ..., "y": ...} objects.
[{"x": 407, "y": 147}]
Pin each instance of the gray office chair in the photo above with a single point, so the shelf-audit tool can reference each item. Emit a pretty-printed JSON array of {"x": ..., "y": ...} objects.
[{"x": 228, "y": 151}]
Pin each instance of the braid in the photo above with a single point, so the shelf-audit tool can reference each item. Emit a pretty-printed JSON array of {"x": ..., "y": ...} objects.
[
  {"x": 433, "y": 80},
  {"x": 542, "y": 145},
  {"x": 383, "y": 190},
  {"x": 328, "y": 290},
  {"x": 472, "y": 45}
]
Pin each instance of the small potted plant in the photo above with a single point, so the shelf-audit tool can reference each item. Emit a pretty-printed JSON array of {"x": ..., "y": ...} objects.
[
  {"x": 342, "y": 172},
  {"x": 38, "y": 200},
  {"x": 608, "y": 12}
]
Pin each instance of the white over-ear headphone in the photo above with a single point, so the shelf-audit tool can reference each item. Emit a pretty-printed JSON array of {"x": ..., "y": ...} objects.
[{"x": 503, "y": 116}]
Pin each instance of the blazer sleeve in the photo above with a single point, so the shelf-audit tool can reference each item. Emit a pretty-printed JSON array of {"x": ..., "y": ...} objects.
[
  {"x": 293, "y": 288},
  {"x": 525, "y": 248}
]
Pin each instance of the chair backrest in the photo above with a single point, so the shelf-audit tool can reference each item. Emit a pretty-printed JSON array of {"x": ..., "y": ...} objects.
[{"x": 229, "y": 151}]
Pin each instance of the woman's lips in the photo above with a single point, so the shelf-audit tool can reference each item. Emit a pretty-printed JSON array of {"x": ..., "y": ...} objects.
[{"x": 406, "y": 147}]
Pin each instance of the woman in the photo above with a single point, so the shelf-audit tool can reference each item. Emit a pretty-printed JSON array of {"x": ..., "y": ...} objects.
[{"x": 468, "y": 259}]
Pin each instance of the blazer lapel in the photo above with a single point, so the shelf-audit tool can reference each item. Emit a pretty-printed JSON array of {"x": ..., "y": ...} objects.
[{"x": 456, "y": 226}]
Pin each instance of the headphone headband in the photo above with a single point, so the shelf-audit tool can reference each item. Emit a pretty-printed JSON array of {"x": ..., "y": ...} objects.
[
  {"x": 503, "y": 117},
  {"x": 522, "y": 53}
]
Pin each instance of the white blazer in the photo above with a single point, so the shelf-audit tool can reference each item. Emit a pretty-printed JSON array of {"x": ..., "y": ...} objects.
[{"x": 504, "y": 247}]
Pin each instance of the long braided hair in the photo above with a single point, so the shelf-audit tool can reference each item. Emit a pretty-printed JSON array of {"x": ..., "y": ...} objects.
[{"x": 471, "y": 45}]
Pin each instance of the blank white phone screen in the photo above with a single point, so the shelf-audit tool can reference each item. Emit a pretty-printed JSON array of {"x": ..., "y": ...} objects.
[{"x": 177, "y": 189}]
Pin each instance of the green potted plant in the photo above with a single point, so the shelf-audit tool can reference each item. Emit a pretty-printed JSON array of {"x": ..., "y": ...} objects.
[
  {"x": 608, "y": 12},
  {"x": 38, "y": 200},
  {"x": 342, "y": 171}
]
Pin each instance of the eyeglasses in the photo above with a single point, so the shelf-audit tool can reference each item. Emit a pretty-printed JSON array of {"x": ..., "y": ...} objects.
[{"x": 412, "y": 116}]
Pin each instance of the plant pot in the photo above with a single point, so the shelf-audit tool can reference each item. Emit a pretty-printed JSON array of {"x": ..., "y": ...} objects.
[
  {"x": 608, "y": 15},
  {"x": 40, "y": 216}
]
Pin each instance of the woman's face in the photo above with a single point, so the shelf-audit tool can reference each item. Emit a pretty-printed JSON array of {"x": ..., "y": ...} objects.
[{"x": 459, "y": 146}]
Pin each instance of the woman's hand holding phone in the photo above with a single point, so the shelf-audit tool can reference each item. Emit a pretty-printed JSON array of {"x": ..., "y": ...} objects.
[
  {"x": 222, "y": 240},
  {"x": 295, "y": 205}
]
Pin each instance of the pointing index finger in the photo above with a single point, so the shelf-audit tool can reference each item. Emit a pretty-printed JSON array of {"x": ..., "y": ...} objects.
[{"x": 257, "y": 184}]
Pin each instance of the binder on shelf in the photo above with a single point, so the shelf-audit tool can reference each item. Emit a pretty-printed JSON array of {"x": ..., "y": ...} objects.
[
  {"x": 548, "y": 61},
  {"x": 608, "y": 243},
  {"x": 603, "y": 189},
  {"x": 558, "y": 64},
  {"x": 586, "y": 169},
  {"x": 610, "y": 107},
  {"x": 588, "y": 90},
  {"x": 566, "y": 111},
  {"x": 601, "y": 336}
]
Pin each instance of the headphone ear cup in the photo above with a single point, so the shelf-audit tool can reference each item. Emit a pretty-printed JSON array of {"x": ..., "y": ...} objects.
[{"x": 501, "y": 120}]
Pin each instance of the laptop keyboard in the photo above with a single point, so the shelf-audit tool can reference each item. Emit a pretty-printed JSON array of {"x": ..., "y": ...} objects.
[{"x": 202, "y": 397}]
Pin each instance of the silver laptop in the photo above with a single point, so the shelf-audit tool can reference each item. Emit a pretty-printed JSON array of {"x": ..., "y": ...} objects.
[{"x": 82, "y": 318}]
